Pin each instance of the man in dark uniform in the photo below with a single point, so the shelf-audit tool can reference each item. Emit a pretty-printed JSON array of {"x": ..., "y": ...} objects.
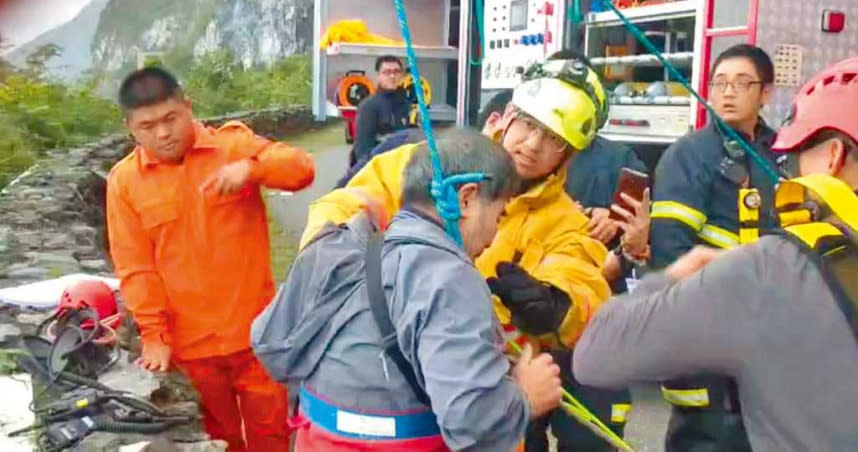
[
  {"x": 696, "y": 199},
  {"x": 384, "y": 112}
]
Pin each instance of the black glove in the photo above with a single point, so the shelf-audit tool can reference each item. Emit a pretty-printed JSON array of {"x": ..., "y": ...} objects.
[{"x": 536, "y": 307}]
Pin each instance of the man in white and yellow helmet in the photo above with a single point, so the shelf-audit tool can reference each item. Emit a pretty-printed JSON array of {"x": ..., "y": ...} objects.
[{"x": 542, "y": 266}]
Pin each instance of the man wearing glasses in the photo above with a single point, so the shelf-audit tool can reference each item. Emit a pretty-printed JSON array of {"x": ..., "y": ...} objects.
[
  {"x": 696, "y": 195},
  {"x": 384, "y": 112}
]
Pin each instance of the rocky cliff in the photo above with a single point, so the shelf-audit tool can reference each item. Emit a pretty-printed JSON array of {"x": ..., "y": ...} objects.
[
  {"x": 107, "y": 35},
  {"x": 257, "y": 31},
  {"x": 75, "y": 40}
]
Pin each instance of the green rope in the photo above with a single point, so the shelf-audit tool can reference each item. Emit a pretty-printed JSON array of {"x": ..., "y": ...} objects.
[
  {"x": 580, "y": 413},
  {"x": 767, "y": 168},
  {"x": 478, "y": 9},
  {"x": 574, "y": 14}
]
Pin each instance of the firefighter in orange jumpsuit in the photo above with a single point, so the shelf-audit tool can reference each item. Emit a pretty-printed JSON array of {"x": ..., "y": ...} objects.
[{"x": 189, "y": 241}]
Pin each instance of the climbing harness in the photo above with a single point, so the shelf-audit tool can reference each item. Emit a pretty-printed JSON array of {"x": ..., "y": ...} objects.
[
  {"x": 819, "y": 213},
  {"x": 443, "y": 190},
  {"x": 444, "y": 193}
]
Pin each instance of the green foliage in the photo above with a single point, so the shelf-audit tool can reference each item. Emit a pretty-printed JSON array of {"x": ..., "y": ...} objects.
[
  {"x": 218, "y": 85},
  {"x": 8, "y": 365},
  {"x": 38, "y": 114},
  {"x": 16, "y": 152},
  {"x": 38, "y": 59},
  {"x": 53, "y": 115}
]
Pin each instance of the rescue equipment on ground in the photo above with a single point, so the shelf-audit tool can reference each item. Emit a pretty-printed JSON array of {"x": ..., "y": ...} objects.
[
  {"x": 82, "y": 330},
  {"x": 67, "y": 420},
  {"x": 355, "y": 31},
  {"x": 81, "y": 345}
]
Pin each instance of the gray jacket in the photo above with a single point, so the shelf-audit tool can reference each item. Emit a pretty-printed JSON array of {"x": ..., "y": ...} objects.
[
  {"x": 761, "y": 314},
  {"x": 319, "y": 331}
]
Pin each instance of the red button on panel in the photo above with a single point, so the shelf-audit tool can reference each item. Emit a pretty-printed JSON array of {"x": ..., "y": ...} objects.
[
  {"x": 548, "y": 9},
  {"x": 833, "y": 21}
]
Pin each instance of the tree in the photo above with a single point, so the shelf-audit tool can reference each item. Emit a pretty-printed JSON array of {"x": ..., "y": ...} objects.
[
  {"x": 37, "y": 60},
  {"x": 6, "y": 68}
]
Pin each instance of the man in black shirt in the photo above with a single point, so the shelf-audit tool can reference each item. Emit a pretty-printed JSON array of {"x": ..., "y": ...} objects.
[{"x": 384, "y": 112}]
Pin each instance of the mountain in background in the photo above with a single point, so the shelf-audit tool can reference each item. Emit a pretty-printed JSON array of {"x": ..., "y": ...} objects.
[
  {"x": 74, "y": 37},
  {"x": 108, "y": 35}
]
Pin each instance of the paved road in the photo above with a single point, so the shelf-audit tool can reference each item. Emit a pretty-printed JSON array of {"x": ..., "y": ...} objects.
[
  {"x": 331, "y": 157},
  {"x": 648, "y": 421}
]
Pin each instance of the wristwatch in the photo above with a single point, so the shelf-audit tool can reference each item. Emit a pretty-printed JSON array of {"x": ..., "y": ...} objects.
[{"x": 627, "y": 261}]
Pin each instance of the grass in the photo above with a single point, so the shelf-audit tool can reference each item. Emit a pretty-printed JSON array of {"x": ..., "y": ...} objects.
[
  {"x": 283, "y": 248},
  {"x": 325, "y": 137}
]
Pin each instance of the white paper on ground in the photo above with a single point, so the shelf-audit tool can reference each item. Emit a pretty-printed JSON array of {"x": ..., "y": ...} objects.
[
  {"x": 46, "y": 294},
  {"x": 15, "y": 412},
  {"x": 136, "y": 447}
]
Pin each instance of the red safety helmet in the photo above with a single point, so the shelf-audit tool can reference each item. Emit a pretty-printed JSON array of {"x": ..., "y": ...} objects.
[
  {"x": 828, "y": 101},
  {"x": 94, "y": 294}
]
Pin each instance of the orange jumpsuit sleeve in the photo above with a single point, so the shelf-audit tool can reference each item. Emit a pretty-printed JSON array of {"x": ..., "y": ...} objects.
[
  {"x": 273, "y": 164},
  {"x": 141, "y": 287}
]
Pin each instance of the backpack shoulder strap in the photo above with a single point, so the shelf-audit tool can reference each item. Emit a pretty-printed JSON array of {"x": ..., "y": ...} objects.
[
  {"x": 381, "y": 314},
  {"x": 836, "y": 257}
]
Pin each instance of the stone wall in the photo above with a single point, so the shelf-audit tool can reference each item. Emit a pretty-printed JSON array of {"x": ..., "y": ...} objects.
[
  {"x": 52, "y": 223},
  {"x": 52, "y": 216}
]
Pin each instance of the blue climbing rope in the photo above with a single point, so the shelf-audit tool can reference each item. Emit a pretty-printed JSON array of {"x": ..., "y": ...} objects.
[
  {"x": 767, "y": 168},
  {"x": 444, "y": 190}
]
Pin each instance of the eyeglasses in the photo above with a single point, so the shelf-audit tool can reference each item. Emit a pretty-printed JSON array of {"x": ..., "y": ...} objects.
[
  {"x": 739, "y": 86},
  {"x": 549, "y": 141}
]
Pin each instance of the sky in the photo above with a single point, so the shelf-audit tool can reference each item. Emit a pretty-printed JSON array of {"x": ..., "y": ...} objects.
[{"x": 23, "y": 20}]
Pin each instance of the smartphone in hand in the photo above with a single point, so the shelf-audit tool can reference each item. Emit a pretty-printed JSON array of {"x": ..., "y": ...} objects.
[{"x": 632, "y": 183}]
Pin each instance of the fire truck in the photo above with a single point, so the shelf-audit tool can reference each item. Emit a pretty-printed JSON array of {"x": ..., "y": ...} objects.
[{"x": 468, "y": 50}]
